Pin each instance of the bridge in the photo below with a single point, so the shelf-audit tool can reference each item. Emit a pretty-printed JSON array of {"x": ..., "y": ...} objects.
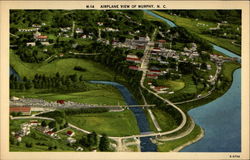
[{"x": 123, "y": 106}]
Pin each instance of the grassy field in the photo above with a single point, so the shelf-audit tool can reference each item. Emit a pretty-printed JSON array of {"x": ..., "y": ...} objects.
[
  {"x": 228, "y": 69},
  {"x": 97, "y": 94},
  {"x": 191, "y": 25},
  {"x": 173, "y": 85},
  {"x": 112, "y": 123},
  {"x": 164, "y": 119},
  {"x": 133, "y": 148},
  {"x": 94, "y": 71},
  {"x": 189, "y": 88},
  {"x": 171, "y": 145},
  {"x": 150, "y": 121}
]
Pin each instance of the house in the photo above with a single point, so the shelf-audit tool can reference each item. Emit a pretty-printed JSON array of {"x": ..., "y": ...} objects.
[
  {"x": 31, "y": 44},
  {"x": 50, "y": 133},
  {"x": 23, "y": 110},
  {"x": 45, "y": 43},
  {"x": 133, "y": 67},
  {"x": 39, "y": 37},
  {"x": 157, "y": 50},
  {"x": 79, "y": 30},
  {"x": 34, "y": 123},
  {"x": 162, "y": 41},
  {"x": 60, "y": 101},
  {"x": 71, "y": 140},
  {"x": 19, "y": 138},
  {"x": 79, "y": 149},
  {"x": 152, "y": 76},
  {"x": 70, "y": 133},
  {"x": 36, "y": 25},
  {"x": 133, "y": 58},
  {"x": 28, "y": 30},
  {"x": 100, "y": 23},
  {"x": 13, "y": 98}
]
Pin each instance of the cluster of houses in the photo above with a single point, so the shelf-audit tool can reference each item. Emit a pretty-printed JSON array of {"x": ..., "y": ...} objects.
[
  {"x": 39, "y": 37},
  {"x": 25, "y": 130},
  {"x": 140, "y": 43},
  {"x": 35, "y": 27}
]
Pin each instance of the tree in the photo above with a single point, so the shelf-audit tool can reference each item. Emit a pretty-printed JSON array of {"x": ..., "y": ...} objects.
[
  {"x": 52, "y": 124},
  {"x": 104, "y": 143},
  {"x": 84, "y": 141},
  {"x": 92, "y": 139},
  {"x": 43, "y": 124}
]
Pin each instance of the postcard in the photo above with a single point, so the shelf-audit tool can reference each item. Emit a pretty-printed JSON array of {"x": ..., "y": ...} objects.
[{"x": 124, "y": 80}]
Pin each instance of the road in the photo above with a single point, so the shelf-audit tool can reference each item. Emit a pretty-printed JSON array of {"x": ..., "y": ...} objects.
[
  {"x": 144, "y": 67},
  {"x": 151, "y": 114}
]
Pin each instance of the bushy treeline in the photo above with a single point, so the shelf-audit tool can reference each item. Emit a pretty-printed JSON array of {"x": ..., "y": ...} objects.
[{"x": 55, "y": 82}]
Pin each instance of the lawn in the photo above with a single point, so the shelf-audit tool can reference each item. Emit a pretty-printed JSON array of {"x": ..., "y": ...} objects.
[
  {"x": 164, "y": 119},
  {"x": 94, "y": 71},
  {"x": 228, "y": 69},
  {"x": 133, "y": 148},
  {"x": 191, "y": 25},
  {"x": 174, "y": 85},
  {"x": 111, "y": 123},
  {"x": 189, "y": 88},
  {"x": 171, "y": 145},
  {"x": 98, "y": 94}
]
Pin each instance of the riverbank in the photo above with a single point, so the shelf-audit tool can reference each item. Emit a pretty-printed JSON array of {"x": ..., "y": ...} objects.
[
  {"x": 217, "y": 93},
  {"x": 196, "y": 139},
  {"x": 190, "y": 25}
]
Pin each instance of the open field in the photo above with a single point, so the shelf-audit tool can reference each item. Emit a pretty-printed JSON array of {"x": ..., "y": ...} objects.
[
  {"x": 94, "y": 71},
  {"x": 189, "y": 88},
  {"x": 98, "y": 94},
  {"x": 174, "y": 85},
  {"x": 171, "y": 145},
  {"x": 191, "y": 25},
  {"x": 228, "y": 69},
  {"x": 165, "y": 120},
  {"x": 111, "y": 123}
]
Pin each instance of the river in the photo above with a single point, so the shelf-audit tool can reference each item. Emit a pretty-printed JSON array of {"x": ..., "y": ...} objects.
[
  {"x": 146, "y": 144},
  {"x": 221, "y": 119}
]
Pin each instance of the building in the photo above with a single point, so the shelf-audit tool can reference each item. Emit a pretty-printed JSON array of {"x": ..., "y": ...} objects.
[
  {"x": 152, "y": 76},
  {"x": 133, "y": 58},
  {"x": 28, "y": 30},
  {"x": 71, "y": 140},
  {"x": 60, "y": 101},
  {"x": 31, "y": 44},
  {"x": 134, "y": 68},
  {"x": 23, "y": 110},
  {"x": 39, "y": 37},
  {"x": 70, "y": 133},
  {"x": 36, "y": 25},
  {"x": 79, "y": 30}
]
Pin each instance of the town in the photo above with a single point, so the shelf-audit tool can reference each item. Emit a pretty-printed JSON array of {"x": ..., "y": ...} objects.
[{"x": 71, "y": 81}]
